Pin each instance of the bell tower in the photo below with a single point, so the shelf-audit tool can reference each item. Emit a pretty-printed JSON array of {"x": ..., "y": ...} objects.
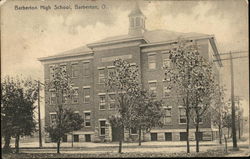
[{"x": 136, "y": 21}]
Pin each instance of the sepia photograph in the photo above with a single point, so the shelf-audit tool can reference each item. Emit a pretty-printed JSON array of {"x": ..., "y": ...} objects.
[{"x": 124, "y": 78}]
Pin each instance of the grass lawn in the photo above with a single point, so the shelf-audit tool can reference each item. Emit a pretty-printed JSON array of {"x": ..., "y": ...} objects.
[{"x": 210, "y": 153}]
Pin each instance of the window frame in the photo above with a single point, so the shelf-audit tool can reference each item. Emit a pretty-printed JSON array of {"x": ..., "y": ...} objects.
[
  {"x": 153, "y": 89},
  {"x": 132, "y": 131},
  {"x": 111, "y": 101},
  {"x": 101, "y": 77},
  {"x": 102, "y": 127},
  {"x": 74, "y": 67},
  {"x": 167, "y": 115},
  {"x": 166, "y": 60},
  {"x": 52, "y": 94},
  {"x": 181, "y": 117},
  {"x": 51, "y": 72},
  {"x": 51, "y": 121},
  {"x": 75, "y": 95},
  {"x": 86, "y": 70},
  {"x": 87, "y": 120},
  {"x": 165, "y": 88},
  {"x": 102, "y": 103},
  {"x": 86, "y": 96},
  {"x": 152, "y": 58}
]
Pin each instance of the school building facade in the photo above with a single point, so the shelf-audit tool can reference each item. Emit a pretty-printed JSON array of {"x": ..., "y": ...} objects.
[{"x": 89, "y": 66}]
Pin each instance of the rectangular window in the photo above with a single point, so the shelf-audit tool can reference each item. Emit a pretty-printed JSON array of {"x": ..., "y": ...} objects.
[
  {"x": 168, "y": 136},
  {"x": 52, "y": 118},
  {"x": 86, "y": 95},
  {"x": 183, "y": 136},
  {"x": 65, "y": 98},
  {"x": 51, "y": 71},
  {"x": 112, "y": 101},
  {"x": 168, "y": 116},
  {"x": 166, "y": 90},
  {"x": 63, "y": 68},
  {"x": 102, "y": 102},
  {"x": 165, "y": 60},
  {"x": 87, "y": 119},
  {"x": 75, "y": 95},
  {"x": 152, "y": 61},
  {"x": 76, "y": 138},
  {"x": 52, "y": 97},
  {"x": 152, "y": 88},
  {"x": 87, "y": 138},
  {"x": 74, "y": 69},
  {"x": 102, "y": 127},
  {"x": 182, "y": 113},
  {"x": 133, "y": 131},
  {"x": 86, "y": 69},
  {"x": 101, "y": 75},
  {"x": 200, "y": 120},
  {"x": 111, "y": 72}
]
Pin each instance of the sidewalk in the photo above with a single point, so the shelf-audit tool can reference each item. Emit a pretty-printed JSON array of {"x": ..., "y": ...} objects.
[{"x": 151, "y": 144}]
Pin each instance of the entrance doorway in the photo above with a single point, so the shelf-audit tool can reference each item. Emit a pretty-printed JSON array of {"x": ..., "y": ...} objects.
[
  {"x": 87, "y": 138},
  {"x": 153, "y": 136},
  {"x": 183, "y": 136},
  {"x": 168, "y": 136}
]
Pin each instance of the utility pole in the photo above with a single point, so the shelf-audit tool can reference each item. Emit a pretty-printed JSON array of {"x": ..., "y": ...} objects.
[
  {"x": 39, "y": 117},
  {"x": 239, "y": 116},
  {"x": 232, "y": 89},
  {"x": 233, "y": 104}
]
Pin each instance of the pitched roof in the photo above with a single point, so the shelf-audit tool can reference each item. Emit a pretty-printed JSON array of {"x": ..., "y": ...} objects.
[
  {"x": 83, "y": 50},
  {"x": 151, "y": 37},
  {"x": 157, "y": 36},
  {"x": 136, "y": 11},
  {"x": 154, "y": 36}
]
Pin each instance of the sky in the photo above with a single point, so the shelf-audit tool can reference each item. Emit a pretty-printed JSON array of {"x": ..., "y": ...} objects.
[{"x": 30, "y": 34}]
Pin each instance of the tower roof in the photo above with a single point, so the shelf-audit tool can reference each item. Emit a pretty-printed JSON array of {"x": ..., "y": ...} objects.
[{"x": 136, "y": 10}]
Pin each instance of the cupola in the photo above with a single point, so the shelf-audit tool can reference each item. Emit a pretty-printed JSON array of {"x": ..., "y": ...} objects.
[{"x": 136, "y": 21}]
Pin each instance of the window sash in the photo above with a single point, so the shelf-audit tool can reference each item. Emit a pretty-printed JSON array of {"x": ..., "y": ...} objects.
[
  {"x": 74, "y": 68},
  {"x": 52, "y": 118},
  {"x": 152, "y": 61},
  {"x": 182, "y": 115},
  {"x": 87, "y": 116},
  {"x": 166, "y": 91},
  {"x": 101, "y": 76},
  {"x": 51, "y": 71},
  {"x": 133, "y": 131},
  {"x": 52, "y": 98},
  {"x": 86, "y": 69},
  {"x": 102, "y": 127},
  {"x": 86, "y": 95}
]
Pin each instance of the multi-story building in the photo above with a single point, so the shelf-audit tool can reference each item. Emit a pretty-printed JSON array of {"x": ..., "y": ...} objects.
[{"x": 89, "y": 66}]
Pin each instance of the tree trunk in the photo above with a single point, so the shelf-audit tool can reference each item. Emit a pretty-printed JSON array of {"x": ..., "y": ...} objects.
[
  {"x": 58, "y": 146},
  {"x": 139, "y": 136},
  {"x": 120, "y": 140},
  {"x": 6, "y": 143},
  {"x": 220, "y": 134},
  {"x": 197, "y": 135},
  {"x": 187, "y": 129},
  {"x": 225, "y": 143},
  {"x": 17, "y": 143}
]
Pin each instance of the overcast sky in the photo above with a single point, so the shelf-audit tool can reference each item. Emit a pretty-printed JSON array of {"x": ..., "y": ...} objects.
[{"x": 28, "y": 35}]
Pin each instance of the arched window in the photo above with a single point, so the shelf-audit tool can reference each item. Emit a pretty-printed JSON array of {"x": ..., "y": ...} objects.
[
  {"x": 131, "y": 22},
  {"x": 137, "y": 21}
]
